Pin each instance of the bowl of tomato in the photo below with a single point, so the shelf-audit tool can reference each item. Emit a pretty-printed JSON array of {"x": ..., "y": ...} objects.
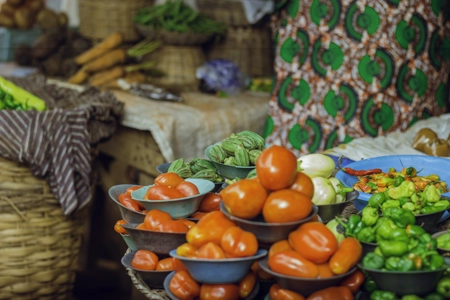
[
  {"x": 131, "y": 213},
  {"x": 268, "y": 233},
  {"x": 228, "y": 171},
  {"x": 152, "y": 277},
  {"x": 304, "y": 286},
  {"x": 215, "y": 271},
  {"x": 178, "y": 207}
]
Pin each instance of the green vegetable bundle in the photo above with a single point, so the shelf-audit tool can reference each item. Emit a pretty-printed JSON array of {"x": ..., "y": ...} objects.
[
  {"x": 196, "y": 168},
  {"x": 14, "y": 97},
  {"x": 179, "y": 17}
]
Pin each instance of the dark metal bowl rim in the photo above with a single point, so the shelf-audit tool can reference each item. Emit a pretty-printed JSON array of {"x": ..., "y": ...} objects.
[
  {"x": 133, "y": 226},
  {"x": 400, "y": 272},
  {"x": 260, "y": 254},
  {"x": 118, "y": 203}
]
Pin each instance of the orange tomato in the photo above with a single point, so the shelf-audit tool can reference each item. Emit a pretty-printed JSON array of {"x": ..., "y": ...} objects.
[
  {"x": 247, "y": 284},
  {"x": 293, "y": 263},
  {"x": 354, "y": 281},
  {"x": 219, "y": 292},
  {"x": 314, "y": 241},
  {"x": 162, "y": 192},
  {"x": 198, "y": 215},
  {"x": 279, "y": 246},
  {"x": 209, "y": 228},
  {"x": 155, "y": 217},
  {"x": 188, "y": 223},
  {"x": 286, "y": 205},
  {"x": 346, "y": 257},
  {"x": 210, "y": 202},
  {"x": 178, "y": 265},
  {"x": 142, "y": 227},
  {"x": 183, "y": 286},
  {"x": 325, "y": 271},
  {"x": 210, "y": 250},
  {"x": 165, "y": 264},
  {"x": 276, "y": 167},
  {"x": 144, "y": 260},
  {"x": 132, "y": 189},
  {"x": 188, "y": 189},
  {"x": 236, "y": 198},
  {"x": 239, "y": 243},
  {"x": 175, "y": 226},
  {"x": 129, "y": 203},
  {"x": 273, "y": 291},
  {"x": 118, "y": 228},
  {"x": 288, "y": 295},
  {"x": 169, "y": 179},
  {"x": 303, "y": 184},
  {"x": 187, "y": 250},
  {"x": 332, "y": 293}
]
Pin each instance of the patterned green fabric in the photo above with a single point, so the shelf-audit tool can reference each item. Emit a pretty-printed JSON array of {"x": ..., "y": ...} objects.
[{"x": 349, "y": 69}]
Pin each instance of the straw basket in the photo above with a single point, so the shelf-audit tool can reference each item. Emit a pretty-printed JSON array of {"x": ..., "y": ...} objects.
[
  {"x": 250, "y": 48},
  {"x": 100, "y": 18},
  {"x": 39, "y": 246},
  {"x": 179, "y": 64},
  {"x": 230, "y": 12}
]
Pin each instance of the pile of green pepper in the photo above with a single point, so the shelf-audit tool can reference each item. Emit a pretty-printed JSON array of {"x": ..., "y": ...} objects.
[{"x": 14, "y": 97}]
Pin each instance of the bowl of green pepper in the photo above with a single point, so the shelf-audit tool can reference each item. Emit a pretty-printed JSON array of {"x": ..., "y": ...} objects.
[{"x": 443, "y": 244}]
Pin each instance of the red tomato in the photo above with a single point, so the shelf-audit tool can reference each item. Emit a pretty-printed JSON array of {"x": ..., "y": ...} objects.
[
  {"x": 144, "y": 260},
  {"x": 238, "y": 242},
  {"x": 169, "y": 179},
  {"x": 354, "y": 281},
  {"x": 292, "y": 263},
  {"x": 187, "y": 250},
  {"x": 244, "y": 199},
  {"x": 279, "y": 246},
  {"x": 210, "y": 250},
  {"x": 155, "y": 217},
  {"x": 288, "y": 295},
  {"x": 286, "y": 205},
  {"x": 118, "y": 228},
  {"x": 188, "y": 223},
  {"x": 303, "y": 184},
  {"x": 276, "y": 167},
  {"x": 165, "y": 264},
  {"x": 247, "y": 284},
  {"x": 178, "y": 265},
  {"x": 142, "y": 227},
  {"x": 219, "y": 292},
  {"x": 183, "y": 286},
  {"x": 188, "y": 189},
  {"x": 161, "y": 192},
  {"x": 129, "y": 203},
  {"x": 211, "y": 202},
  {"x": 325, "y": 271},
  {"x": 176, "y": 226}
]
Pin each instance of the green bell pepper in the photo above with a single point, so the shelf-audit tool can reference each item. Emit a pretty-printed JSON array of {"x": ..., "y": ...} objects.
[
  {"x": 405, "y": 264},
  {"x": 376, "y": 200},
  {"x": 399, "y": 180},
  {"x": 431, "y": 209},
  {"x": 443, "y": 241},
  {"x": 370, "y": 284},
  {"x": 351, "y": 225},
  {"x": 433, "y": 261},
  {"x": 427, "y": 241},
  {"x": 390, "y": 203},
  {"x": 399, "y": 234},
  {"x": 384, "y": 229},
  {"x": 401, "y": 217},
  {"x": 431, "y": 193},
  {"x": 377, "y": 251},
  {"x": 443, "y": 287},
  {"x": 414, "y": 231},
  {"x": 383, "y": 295},
  {"x": 373, "y": 261},
  {"x": 405, "y": 189},
  {"x": 443, "y": 203},
  {"x": 370, "y": 215},
  {"x": 434, "y": 296},
  {"x": 359, "y": 227},
  {"x": 366, "y": 235},
  {"x": 392, "y": 263},
  {"x": 411, "y": 297},
  {"x": 393, "y": 248},
  {"x": 409, "y": 206}
]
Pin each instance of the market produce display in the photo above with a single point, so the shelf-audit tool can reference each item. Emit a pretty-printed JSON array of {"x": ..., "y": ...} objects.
[
  {"x": 196, "y": 168},
  {"x": 16, "y": 98}
]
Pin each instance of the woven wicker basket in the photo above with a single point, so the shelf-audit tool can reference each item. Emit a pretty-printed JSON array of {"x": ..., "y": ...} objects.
[
  {"x": 100, "y": 18},
  {"x": 230, "y": 12},
  {"x": 251, "y": 48},
  {"x": 39, "y": 246}
]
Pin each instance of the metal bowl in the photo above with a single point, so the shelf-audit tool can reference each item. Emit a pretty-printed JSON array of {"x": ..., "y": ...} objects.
[
  {"x": 163, "y": 168},
  {"x": 230, "y": 172},
  {"x": 267, "y": 233},
  {"x": 303, "y": 286},
  {"x": 215, "y": 271},
  {"x": 154, "y": 279},
  {"x": 177, "y": 208},
  {"x": 429, "y": 222},
  {"x": 155, "y": 241},
  {"x": 130, "y": 216},
  {"x": 417, "y": 283},
  {"x": 251, "y": 296},
  {"x": 444, "y": 252},
  {"x": 328, "y": 212},
  {"x": 129, "y": 242}
]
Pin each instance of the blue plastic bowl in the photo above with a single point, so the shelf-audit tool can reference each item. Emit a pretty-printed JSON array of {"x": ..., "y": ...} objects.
[
  {"x": 215, "y": 271},
  {"x": 169, "y": 277},
  {"x": 425, "y": 164},
  {"x": 177, "y": 208}
]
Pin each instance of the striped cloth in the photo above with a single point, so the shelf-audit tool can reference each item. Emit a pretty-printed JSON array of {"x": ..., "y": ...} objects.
[{"x": 56, "y": 143}]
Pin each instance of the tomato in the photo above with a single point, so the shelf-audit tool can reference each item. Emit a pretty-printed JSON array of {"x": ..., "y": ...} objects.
[
  {"x": 161, "y": 192},
  {"x": 219, "y": 292},
  {"x": 314, "y": 241},
  {"x": 239, "y": 243},
  {"x": 346, "y": 256},
  {"x": 273, "y": 291},
  {"x": 198, "y": 215},
  {"x": 165, "y": 264},
  {"x": 210, "y": 250},
  {"x": 183, "y": 286},
  {"x": 155, "y": 217},
  {"x": 285, "y": 206},
  {"x": 247, "y": 284},
  {"x": 169, "y": 179},
  {"x": 303, "y": 184},
  {"x": 210, "y": 202},
  {"x": 279, "y": 246},
  {"x": 210, "y": 228},
  {"x": 178, "y": 265},
  {"x": 142, "y": 227},
  {"x": 144, "y": 260},
  {"x": 187, "y": 250},
  {"x": 288, "y": 295},
  {"x": 293, "y": 263},
  {"x": 244, "y": 198},
  {"x": 354, "y": 281},
  {"x": 175, "y": 226},
  {"x": 276, "y": 167},
  {"x": 129, "y": 203},
  {"x": 188, "y": 189},
  {"x": 325, "y": 270},
  {"x": 132, "y": 189},
  {"x": 188, "y": 223},
  {"x": 118, "y": 228},
  {"x": 332, "y": 293}
]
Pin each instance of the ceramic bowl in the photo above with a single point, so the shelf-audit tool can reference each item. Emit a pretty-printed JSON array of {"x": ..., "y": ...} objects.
[
  {"x": 214, "y": 271},
  {"x": 130, "y": 216},
  {"x": 303, "y": 286},
  {"x": 155, "y": 241},
  {"x": 153, "y": 279},
  {"x": 163, "y": 168},
  {"x": 328, "y": 212},
  {"x": 427, "y": 165},
  {"x": 177, "y": 208},
  {"x": 418, "y": 283},
  {"x": 267, "y": 233},
  {"x": 230, "y": 172}
]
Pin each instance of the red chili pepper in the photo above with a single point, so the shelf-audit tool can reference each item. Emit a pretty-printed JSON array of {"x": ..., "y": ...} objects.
[{"x": 357, "y": 172}]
